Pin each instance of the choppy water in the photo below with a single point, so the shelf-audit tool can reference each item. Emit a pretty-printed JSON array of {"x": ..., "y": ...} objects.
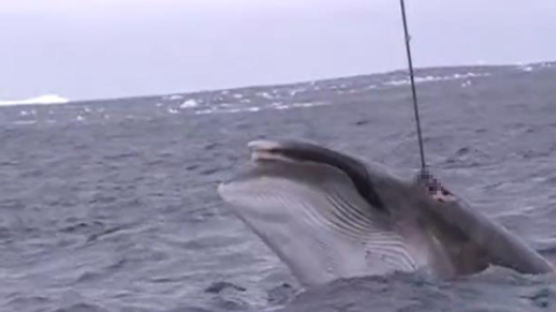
[{"x": 111, "y": 205}]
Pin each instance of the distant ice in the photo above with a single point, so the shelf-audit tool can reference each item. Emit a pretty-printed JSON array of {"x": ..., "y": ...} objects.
[
  {"x": 43, "y": 99},
  {"x": 174, "y": 97},
  {"x": 189, "y": 104}
]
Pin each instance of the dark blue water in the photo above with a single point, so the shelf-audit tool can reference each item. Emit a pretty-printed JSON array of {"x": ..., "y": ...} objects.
[{"x": 111, "y": 205}]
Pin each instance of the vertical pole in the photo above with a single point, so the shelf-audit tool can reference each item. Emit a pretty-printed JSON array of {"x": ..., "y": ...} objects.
[{"x": 413, "y": 91}]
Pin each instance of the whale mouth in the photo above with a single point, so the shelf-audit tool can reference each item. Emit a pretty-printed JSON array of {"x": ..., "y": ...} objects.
[
  {"x": 263, "y": 150},
  {"x": 308, "y": 210},
  {"x": 293, "y": 151}
]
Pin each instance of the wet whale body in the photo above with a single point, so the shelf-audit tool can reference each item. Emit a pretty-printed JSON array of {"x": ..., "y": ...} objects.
[{"x": 328, "y": 215}]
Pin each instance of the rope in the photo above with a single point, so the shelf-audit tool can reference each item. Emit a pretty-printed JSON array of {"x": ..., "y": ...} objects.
[{"x": 413, "y": 91}]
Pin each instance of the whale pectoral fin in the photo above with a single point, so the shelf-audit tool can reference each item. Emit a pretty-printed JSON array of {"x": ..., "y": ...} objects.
[
  {"x": 311, "y": 215},
  {"x": 487, "y": 240},
  {"x": 549, "y": 255}
]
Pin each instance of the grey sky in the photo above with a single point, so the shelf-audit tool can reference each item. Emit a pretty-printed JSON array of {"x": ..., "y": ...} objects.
[{"x": 96, "y": 49}]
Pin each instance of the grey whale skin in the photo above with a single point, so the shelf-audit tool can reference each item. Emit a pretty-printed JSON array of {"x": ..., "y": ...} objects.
[{"x": 327, "y": 215}]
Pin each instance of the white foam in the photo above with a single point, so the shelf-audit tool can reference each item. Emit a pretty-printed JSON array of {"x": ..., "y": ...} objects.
[
  {"x": 309, "y": 104},
  {"x": 172, "y": 110},
  {"x": 43, "y": 99},
  {"x": 294, "y": 92},
  {"x": 466, "y": 84},
  {"x": 189, "y": 104},
  {"x": 421, "y": 79},
  {"x": 232, "y": 110},
  {"x": 281, "y": 106},
  {"x": 265, "y": 95},
  {"x": 25, "y": 122},
  {"x": 229, "y": 109},
  {"x": 80, "y": 118},
  {"x": 204, "y": 111},
  {"x": 237, "y": 96}
]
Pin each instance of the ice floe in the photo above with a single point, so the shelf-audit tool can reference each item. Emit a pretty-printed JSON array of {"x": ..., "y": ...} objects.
[
  {"x": 174, "y": 97},
  {"x": 43, "y": 99}
]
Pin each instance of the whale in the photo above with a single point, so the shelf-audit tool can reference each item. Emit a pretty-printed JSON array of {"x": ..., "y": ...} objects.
[{"x": 329, "y": 215}]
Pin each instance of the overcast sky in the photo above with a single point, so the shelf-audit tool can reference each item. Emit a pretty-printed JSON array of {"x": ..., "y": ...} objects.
[{"x": 96, "y": 49}]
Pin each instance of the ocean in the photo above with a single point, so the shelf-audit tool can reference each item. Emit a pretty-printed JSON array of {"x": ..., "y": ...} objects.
[{"x": 111, "y": 205}]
